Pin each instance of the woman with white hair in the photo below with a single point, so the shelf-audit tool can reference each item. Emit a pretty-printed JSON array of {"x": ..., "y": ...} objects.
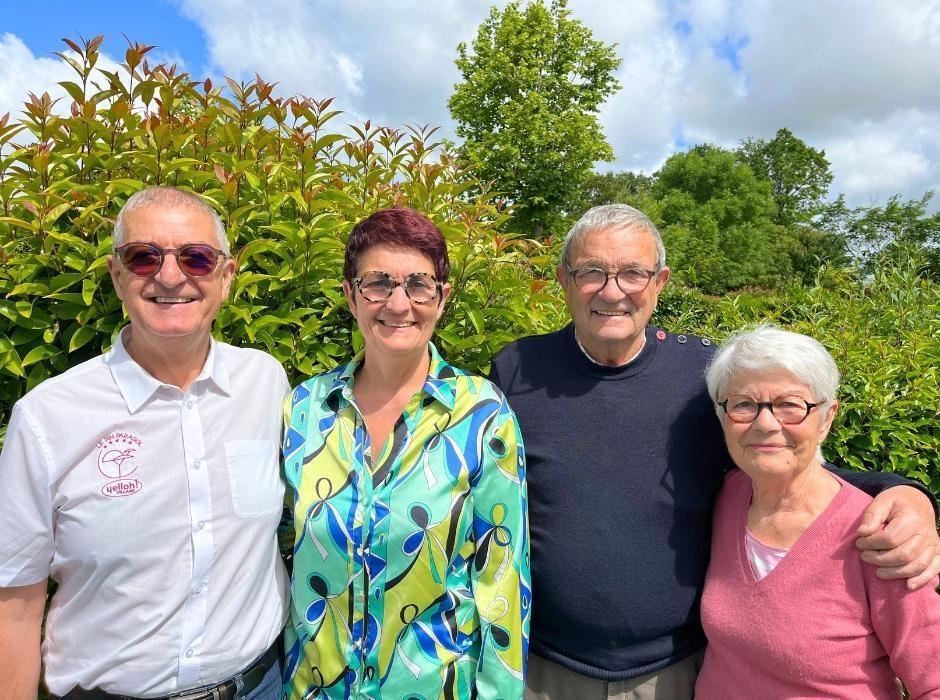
[{"x": 789, "y": 608}]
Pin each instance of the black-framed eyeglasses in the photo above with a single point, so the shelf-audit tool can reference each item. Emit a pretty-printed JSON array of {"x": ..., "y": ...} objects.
[
  {"x": 146, "y": 259},
  {"x": 420, "y": 287},
  {"x": 630, "y": 280},
  {"x": 788, "y": 410}
]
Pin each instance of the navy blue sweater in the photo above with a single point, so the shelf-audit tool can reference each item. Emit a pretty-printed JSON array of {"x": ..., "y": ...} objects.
[{"x": 624, "y": 464}]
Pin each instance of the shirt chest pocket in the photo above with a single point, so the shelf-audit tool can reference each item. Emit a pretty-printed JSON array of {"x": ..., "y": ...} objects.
[{"x": 254, "y": 476}]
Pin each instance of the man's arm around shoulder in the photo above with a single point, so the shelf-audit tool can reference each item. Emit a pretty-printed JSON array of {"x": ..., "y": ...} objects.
[
  {"x": 898, "y": 533},
  {"x": 21, "y": 610}
]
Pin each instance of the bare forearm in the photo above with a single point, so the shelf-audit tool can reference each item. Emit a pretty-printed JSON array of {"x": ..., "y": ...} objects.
[{"x": 21, "y": 610}]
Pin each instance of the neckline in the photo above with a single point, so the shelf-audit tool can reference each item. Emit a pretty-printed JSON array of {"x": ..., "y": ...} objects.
[
  {"x": 804, "y": 542},
  {"x": 584, "y": 364}
]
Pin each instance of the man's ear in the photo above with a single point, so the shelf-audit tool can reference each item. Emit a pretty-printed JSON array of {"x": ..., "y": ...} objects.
[
  {"x": 229, "y": 265},
  {"x": 114, "y": 267}
]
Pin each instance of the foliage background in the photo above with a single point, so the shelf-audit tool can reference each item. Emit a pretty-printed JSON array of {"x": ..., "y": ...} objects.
[{"x": 290, "y": 180}]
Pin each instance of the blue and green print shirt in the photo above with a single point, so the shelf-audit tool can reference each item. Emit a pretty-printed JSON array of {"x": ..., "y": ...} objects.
[{"x": 411, "y": 567}]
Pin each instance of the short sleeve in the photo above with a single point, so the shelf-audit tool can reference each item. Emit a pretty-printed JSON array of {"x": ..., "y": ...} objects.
[{"x": 26, "y": 535}]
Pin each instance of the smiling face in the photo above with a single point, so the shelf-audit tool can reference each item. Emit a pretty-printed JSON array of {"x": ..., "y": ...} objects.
[
  {"x": 766, "y": 448},
  {"x": 170, "y": 306},
  {"x": 610, "y": 324},
  {"x": 396, "y": 327}
]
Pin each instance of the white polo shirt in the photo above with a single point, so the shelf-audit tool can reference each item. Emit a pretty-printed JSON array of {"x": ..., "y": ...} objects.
[{"x": 156, "y": 512}]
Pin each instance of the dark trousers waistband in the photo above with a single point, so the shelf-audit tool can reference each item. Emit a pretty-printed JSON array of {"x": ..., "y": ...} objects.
[{"x": 238, "y": 686}]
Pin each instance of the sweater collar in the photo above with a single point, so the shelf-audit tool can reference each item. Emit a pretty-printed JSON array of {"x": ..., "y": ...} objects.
[{"x": 582, "y": 362}]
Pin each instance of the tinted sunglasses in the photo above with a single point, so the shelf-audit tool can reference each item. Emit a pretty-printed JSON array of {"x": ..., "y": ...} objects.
[{"x": 146, "y": 259}]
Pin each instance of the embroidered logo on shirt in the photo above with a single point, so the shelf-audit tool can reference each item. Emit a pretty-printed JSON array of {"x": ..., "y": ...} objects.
[{"x": 117, "y": 454}]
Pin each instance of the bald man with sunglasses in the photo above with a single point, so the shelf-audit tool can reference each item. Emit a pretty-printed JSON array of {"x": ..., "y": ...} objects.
[{"x": 145, "y": 483}]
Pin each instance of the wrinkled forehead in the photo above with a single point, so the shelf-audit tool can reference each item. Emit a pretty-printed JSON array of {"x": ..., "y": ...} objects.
[
  {"x": 614, "y": 247},
  {"x": 183, "y": 221}
]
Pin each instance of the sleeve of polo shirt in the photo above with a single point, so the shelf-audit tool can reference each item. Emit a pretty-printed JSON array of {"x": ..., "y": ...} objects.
[
  {"x": 500, "y": 571},
  {"x": 26, "y": 539}
]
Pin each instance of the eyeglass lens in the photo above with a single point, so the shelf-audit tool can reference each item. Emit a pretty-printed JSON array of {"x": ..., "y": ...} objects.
[
  {"x": 786, "y": 409},
  {"x": 592, "y": 279},
  {"x": 146, "y": 259},
  {"x": 378, "y": 286}
]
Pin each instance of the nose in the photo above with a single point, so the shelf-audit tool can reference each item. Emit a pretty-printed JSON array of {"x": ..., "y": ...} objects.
[
  {"x": 765, "y": 420},
  {"x": 170, "y": 274},
  {"x": 611, "y": 291},
  {"x": 399, "y": 301}
]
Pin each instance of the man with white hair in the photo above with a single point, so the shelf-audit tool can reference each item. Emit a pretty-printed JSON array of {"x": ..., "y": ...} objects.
[
  {"x": 625, "y": 458},
  {"x": 145, "y": 483}
]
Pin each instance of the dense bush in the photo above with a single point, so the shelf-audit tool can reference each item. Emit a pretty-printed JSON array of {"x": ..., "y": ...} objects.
[{"x": 289, "y": 181}]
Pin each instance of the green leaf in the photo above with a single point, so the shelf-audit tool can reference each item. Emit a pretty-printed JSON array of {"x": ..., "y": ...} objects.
[
  {"x": 40, "y": 352},
  {"x": 81, "y": 337}
]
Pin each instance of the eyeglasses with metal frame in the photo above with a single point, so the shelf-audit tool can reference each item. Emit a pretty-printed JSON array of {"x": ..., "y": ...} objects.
[
  {"x": 788, "y": 410},
  {"x": 146, "y": 259},
  {"x": 630, "y": 280},
  {"x": 377, "y": 286}
]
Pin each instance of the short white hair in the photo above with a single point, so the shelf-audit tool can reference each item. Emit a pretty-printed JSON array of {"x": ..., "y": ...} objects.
[
  {"x": 608, "y": 216},
  {"x": 768, "y": 347},
  {"x": 170, "y": 197}
]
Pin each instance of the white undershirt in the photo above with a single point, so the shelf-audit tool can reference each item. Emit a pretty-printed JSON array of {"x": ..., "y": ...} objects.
[
  {"x": 588, "y": 355},
  {"x": 763, "y": 557}
]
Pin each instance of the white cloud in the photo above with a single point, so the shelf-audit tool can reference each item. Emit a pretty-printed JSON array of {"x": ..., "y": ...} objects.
[
  {"x": 874, "y": 160},
  {"x": 23, "y": 73}
]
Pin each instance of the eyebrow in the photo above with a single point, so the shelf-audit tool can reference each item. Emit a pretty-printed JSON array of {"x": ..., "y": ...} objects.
[{"x": 632, "y": 264}]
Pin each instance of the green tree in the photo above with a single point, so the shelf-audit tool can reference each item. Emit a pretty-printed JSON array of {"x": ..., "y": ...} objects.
[
  {"x": 873, "y": 233},
  {"x": 717, "y": 221},
  {"x": 533, "y": 81},
  {"x": 625, "y": 187},
  {"x": 798, "y": 173}
]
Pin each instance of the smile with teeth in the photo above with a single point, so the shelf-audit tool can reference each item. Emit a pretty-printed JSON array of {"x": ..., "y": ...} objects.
[
  {"x": 397, "y": 324},
  {"x": 610, "y": 312},
  {"x": 171, "y": 300}
]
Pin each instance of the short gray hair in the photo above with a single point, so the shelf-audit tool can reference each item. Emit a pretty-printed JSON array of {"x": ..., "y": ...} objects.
[
  {"x": 610, "y": 216},
  {"x": 768, "y": 347},
  {"x": 171, "y": 197}
]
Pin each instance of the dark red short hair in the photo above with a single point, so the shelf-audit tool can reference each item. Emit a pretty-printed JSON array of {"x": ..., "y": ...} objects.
[{"x": 399, "y": 227}]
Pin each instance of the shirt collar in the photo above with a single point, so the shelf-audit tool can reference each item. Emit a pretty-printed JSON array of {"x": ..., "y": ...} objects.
[
  {"x": 441, "y": 382},
  {"x": 137, "y": 385}
]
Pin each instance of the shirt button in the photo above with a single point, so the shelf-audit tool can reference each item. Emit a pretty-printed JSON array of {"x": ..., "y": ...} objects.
[
  {"x": 197, "y": 464},
  {"x": 197, "y": 589},
  {"x": 201, "y": 524},
  {"x": 189, "y": 653},
  {"x": 189, "y": 404}
]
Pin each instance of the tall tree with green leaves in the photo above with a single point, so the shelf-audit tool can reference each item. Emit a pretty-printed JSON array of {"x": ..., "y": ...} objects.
[
  {"x": 533, "y": 81},
  {"x": 798, "y": 173},
  {"x": 717, "y": 221}
]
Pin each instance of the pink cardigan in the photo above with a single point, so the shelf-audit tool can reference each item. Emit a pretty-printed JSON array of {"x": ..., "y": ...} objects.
[{"x": 821, "y": 624}]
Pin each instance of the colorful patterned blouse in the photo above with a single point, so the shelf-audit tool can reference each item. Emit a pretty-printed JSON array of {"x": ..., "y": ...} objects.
[{"x": 411, "y": 567}]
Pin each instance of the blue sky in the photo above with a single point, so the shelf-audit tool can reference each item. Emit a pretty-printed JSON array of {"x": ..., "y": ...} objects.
[{"x": 855, "y": 77}]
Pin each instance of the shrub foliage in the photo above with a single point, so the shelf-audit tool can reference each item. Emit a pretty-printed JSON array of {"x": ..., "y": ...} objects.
[{"x": 289, "y": 179}]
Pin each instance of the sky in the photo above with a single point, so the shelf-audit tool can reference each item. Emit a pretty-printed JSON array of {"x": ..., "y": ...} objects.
[{"x": 857, "y": 78}]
